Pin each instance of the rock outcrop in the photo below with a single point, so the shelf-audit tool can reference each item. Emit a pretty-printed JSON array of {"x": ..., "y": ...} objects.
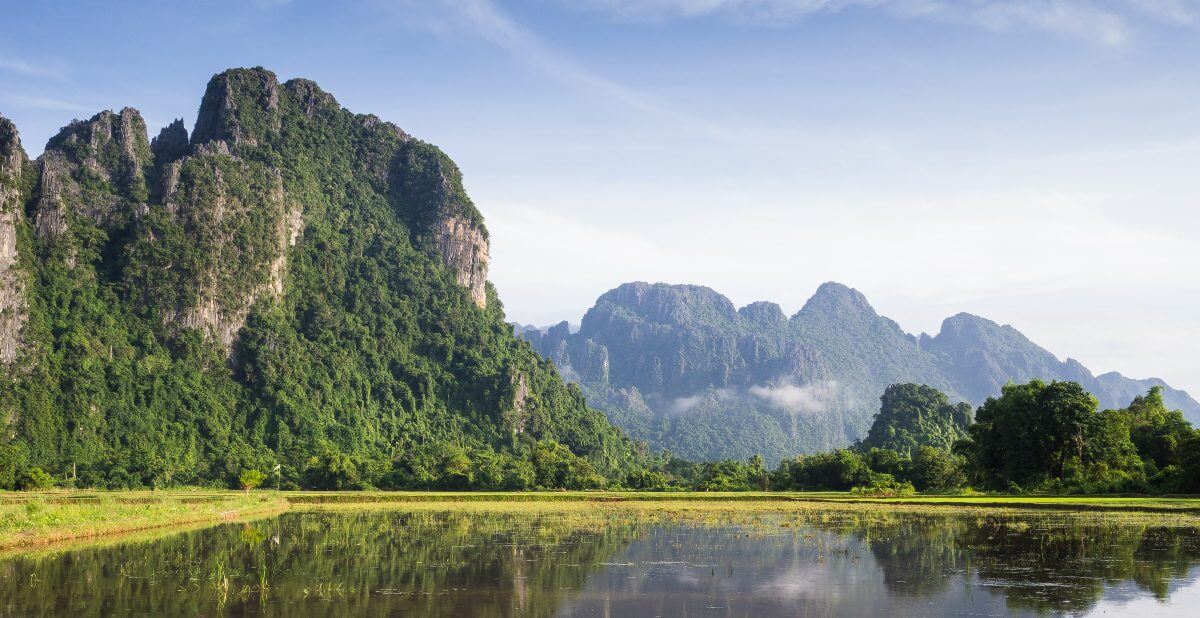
[
  {"x": 12, "y": 284},
  {"x": 292, "y": 282},
  {"x": 171, "y": 143},
  {"x": 463, "y": 247},
  {"x": 94, "y": 170},
  {"x": 428, "y": 186}
]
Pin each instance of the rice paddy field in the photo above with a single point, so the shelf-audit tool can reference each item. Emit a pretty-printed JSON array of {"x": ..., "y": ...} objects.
[{"x": 32, "y": 519}]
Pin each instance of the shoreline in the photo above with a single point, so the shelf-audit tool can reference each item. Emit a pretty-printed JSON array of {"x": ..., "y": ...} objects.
[{"x": 34, "y": 521}]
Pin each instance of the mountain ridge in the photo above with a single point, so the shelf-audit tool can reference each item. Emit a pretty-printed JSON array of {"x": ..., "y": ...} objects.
[{"x": 811, "y": 380}]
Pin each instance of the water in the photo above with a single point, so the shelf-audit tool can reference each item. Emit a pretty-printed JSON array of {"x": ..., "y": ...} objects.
[{"x": 624, "y": 563}]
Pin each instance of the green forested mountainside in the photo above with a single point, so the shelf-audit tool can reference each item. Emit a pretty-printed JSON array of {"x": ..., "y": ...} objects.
[
  {"x": 293, "y": 284},
  {"x": 915, "y": 415},
  {"x": 680, "y": 368}
]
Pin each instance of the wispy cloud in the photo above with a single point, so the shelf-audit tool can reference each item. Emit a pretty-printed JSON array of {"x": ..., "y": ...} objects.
[
  {"x": 500, "y": 30},
  {"x": 29, "y": 69},
  {"x": 494, "y": 26},
  {"x": 817, "y": 398},
  {"x": 1107, "y": 22},
  {"x": 44, "y": 103}
]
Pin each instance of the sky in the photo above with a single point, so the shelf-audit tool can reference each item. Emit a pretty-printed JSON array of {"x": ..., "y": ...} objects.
[{"x": 1036, "y": 162}]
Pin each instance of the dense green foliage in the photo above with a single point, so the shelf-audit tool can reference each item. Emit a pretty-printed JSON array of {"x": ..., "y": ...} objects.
[
  {"x": 277, "y": 296},
  {"x": 1046, "y": 437},
  {"x": 916, "y": 415},
  {"x": 1039, "y": 431}
]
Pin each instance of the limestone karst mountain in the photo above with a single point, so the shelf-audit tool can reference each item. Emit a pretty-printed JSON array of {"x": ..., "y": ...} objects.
[
  {"x": 291, "y": 283},
  {"x": 681, "y": 368}
]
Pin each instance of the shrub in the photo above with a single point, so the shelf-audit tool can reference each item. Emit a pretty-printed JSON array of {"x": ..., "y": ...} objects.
[
  {"x": 884, "y": 486},
  {"x": 35, "y": 479},
  {"x": 249, "y": 479}
]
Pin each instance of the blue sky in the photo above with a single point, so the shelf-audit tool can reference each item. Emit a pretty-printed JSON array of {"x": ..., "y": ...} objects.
[{"x": 1036, "y": 162}]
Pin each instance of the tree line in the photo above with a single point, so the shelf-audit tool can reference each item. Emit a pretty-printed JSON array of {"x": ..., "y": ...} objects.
[{"x": 1034, "y": 437}]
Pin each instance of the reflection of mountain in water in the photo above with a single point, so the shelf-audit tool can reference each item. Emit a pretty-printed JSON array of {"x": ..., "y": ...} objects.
[{"x": 615, "y": 563}]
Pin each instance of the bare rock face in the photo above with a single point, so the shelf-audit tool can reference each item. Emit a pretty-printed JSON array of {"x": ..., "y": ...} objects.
[
  {"x": 429, "y": 186},
  {"x": 94, "y": 169},
  {"x": 12, "y": 288},
  {"x": 171, "y": 143},
  {"x": 464, "y": 250},
  {"x": 240, "y": 106},
  {"x": 210, "y": 194},
  {"x": 517, "y": 417}
]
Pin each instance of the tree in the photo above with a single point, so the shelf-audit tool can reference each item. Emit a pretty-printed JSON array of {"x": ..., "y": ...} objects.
[
  {"x": 36, "y": 479},
  {"x": 758, "y": 473},
  {"x": 249, "y": 479},
  {"x": 1157, "y": 433},
  {"x": 933, "y": 468},
  {"x": 837, "y": 470},
  {"x": 1038, "y": 431},
  {"x": 914, "y": 415}
]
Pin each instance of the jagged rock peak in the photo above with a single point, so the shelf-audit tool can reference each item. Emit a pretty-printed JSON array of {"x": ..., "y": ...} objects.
[
  {"x": 966, "y": 327},
  {"x": 310, "y": 96},
  {"x": 171, "y": 143},
  {"x": 110, "y": 147},
  {"x": 763, "y": 313},
  {"x": 964, "y": 321},
  {"x": 12, "y": 156},
  {"x": 239, "y": 106},
  {"x": 834, "y": 296},
  {"x": 669, "y": 303}
]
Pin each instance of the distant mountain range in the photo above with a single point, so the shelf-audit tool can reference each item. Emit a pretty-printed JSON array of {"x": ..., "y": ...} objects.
[{"x": 681, "y": 368}]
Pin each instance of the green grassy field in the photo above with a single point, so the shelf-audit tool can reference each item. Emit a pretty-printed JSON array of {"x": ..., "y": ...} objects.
[{"x": 38, "y": 519}]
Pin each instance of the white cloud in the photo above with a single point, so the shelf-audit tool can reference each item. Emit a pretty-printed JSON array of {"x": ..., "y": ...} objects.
[
  {"x": 28, "y": 69},
  {"x": 493, "y": 25},
  {"x": 1106, "y": 22},
  {"x": 45, "y": 103},
  {"x": 685, "y": 404},
  {"x": 817, "y": 398}
]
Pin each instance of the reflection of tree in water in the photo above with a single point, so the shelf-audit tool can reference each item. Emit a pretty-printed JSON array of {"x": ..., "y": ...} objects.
[
  {"x": 1065, "y": 565},
  {"x": 426, "y": 563},
  {"x": 1042, "y": 563},
  {"x": 918, "y": 556}
]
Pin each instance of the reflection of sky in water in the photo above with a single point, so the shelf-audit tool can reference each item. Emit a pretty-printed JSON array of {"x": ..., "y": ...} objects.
[
  {"x": 701, "y": 572},
  {"x": 1126, "y": 600}
]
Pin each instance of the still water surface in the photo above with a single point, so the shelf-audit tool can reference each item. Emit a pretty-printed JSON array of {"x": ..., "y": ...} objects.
[{"x": 625, "y": 563}]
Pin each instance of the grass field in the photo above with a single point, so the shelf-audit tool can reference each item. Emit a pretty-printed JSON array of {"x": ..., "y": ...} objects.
[
  {"x": 31, "y": 520},
  {"x": 43, "y": 518}
]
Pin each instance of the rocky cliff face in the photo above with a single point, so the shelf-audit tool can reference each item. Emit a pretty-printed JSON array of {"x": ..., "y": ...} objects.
[
  {"x": 463, "y": 247},
  {"x": 12, "y": 207},
  {"x": 93, "y": 172},
  {"x": 292, "y": 283},
  {"x": 429, "y": 187}
]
